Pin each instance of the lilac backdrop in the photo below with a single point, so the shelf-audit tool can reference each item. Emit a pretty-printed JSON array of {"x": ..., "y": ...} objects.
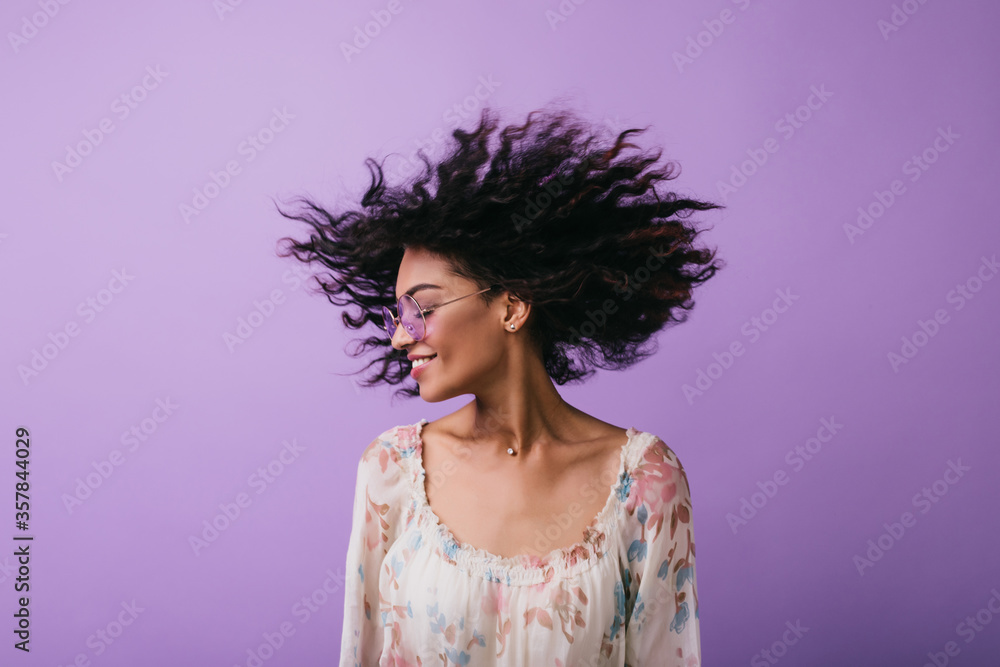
[{"x": 805, "y": 451}]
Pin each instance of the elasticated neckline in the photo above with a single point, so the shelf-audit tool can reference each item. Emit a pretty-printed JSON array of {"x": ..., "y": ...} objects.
[{"x": 523, "y": 569}]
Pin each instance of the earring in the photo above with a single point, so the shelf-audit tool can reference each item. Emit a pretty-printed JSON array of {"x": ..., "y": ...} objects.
[{"x": 511, "y": 326}]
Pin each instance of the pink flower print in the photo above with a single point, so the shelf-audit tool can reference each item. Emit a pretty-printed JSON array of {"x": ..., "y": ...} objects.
[
  {"x": 495, "y": 602},
  {"x": 565, "y": 608},
  {"x": 533, "y": 561},
  {"x": 578, "y": 553},
  {"x": 375, "y": 534},
  {"x": 389, "y": 453},
  {"x": 407, "y": 436},
  {"x": 395, "y": 651},
  {"x": 653, "y": 485}
]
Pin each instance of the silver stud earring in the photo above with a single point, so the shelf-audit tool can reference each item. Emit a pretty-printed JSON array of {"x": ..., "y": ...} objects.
[{"x": 512, "y": 326}]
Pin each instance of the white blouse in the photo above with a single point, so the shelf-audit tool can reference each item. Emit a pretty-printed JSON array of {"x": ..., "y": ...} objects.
[{"x": 625, "y": 595}]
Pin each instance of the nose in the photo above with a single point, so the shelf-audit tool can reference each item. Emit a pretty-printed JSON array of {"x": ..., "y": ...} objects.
[{"x": 402, "y": 336}]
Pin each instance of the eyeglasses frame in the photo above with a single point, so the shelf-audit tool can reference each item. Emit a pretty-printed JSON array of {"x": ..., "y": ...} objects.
[{"x": 423, "y": 311}]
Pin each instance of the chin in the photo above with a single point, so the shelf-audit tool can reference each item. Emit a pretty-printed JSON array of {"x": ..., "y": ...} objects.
[{"x": 432, "y": 395}]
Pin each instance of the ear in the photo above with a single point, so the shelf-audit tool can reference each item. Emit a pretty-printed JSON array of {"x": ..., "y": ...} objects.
[{"x": 517, "y": 311}]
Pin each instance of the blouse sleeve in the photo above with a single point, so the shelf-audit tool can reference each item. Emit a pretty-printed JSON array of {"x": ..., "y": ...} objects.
[
  {"x": 375, "y": 518},
  {"x": 661, "y": 620}
]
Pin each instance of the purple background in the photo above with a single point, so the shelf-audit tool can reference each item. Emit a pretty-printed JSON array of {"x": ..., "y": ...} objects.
[{"x": 162, "y": 336}]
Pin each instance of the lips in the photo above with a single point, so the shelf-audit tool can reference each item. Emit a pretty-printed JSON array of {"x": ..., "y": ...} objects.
[{"x": 418, "y": 366}]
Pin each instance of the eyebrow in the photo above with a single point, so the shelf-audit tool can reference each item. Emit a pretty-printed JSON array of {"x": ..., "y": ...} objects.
[{"x": 420, "y": 286}]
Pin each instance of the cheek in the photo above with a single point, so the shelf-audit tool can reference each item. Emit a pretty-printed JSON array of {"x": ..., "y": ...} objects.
[
  {"x": 457, "y": 333},
  {"x": 472, "y": 343}
]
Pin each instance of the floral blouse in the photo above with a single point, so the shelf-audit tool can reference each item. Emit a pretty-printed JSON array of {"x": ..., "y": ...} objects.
[{"x": 625, "y": 595}]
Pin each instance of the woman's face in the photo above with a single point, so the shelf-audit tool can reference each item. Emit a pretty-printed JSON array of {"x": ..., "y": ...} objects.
[{"x": 466, "y": 336}]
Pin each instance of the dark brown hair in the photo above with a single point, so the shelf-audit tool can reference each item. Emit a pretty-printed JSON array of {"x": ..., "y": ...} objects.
[{"x": 555, "y": 215}]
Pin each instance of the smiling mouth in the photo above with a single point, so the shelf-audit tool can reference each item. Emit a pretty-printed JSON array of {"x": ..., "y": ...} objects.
[{"x": 417, "y": 363}]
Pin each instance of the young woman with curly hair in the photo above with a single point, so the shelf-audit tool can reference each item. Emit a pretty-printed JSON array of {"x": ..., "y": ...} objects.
[{"x": 517, "y": 530}]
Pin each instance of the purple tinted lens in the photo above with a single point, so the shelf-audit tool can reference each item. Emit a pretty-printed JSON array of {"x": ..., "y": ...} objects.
[
  {"x": 410, "y": 317},
  {"x": 389, "y": 321}
]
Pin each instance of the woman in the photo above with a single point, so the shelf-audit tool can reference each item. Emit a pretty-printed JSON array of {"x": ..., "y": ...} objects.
[{"x": 517, "y": 530}]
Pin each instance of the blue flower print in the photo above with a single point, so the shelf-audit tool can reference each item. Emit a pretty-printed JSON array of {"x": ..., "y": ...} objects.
[
  {"x": 619, "y": 611},
  {"x": 457, "y": 657},
  {"x": 680, "y": 618},
  {"x": 438, "y": 621},
  {"x": 624, "y": 485},
  {"x": 397, "y": 565},
  {"x": 639, "y": 604},
  {"x": 416, "y": 540},
  {"x": 405, "y": 452},
  {"x": 643, "y": 514},
  {"x": 683, "y": 575},
  {"x": 451, "y": 548},
  {"x": 636, "y": 550}
]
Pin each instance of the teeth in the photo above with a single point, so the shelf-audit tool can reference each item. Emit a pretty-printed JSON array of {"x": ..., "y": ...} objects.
[{"x": 421, "y": 362}]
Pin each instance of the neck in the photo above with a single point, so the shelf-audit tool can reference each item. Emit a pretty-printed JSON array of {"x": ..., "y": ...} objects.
[{"x": 524, "y": 414}]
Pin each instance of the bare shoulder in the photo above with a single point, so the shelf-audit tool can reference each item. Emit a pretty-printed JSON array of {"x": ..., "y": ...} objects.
[
  {"x": 602, "y": 439},
  {"x": 442, "y": 444}
]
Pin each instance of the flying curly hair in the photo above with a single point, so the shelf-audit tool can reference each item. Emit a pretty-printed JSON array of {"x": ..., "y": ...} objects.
[{"x": 554, "y": 215}]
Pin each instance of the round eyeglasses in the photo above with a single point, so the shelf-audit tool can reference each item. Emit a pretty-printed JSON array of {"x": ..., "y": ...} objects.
[{"x": 411, "y": 315}]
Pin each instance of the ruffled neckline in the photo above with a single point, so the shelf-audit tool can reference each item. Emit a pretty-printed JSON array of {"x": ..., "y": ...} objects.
[{"x": 520, "y": 569}]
